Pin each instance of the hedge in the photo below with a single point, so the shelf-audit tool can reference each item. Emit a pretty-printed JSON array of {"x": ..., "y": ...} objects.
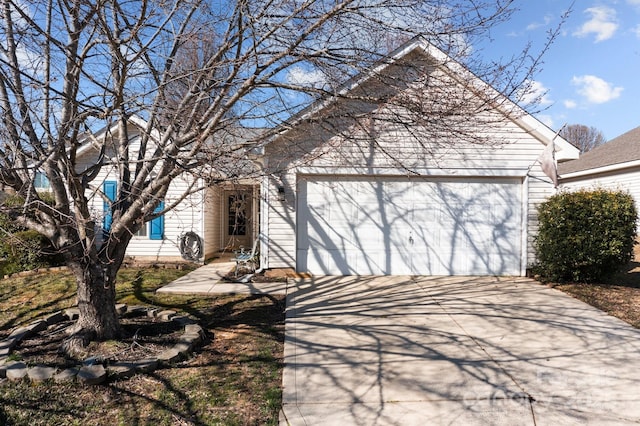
[{"x": 585, "y": 235}]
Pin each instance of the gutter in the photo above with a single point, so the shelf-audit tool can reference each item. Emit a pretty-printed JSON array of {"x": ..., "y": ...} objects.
[{"x": 600, "y": 170}]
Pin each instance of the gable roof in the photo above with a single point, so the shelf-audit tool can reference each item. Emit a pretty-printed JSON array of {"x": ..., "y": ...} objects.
[
  {"x": 563, "y": 149},
  {"x": 90, "y": 139},
  {"x": 618, "y": 153}
]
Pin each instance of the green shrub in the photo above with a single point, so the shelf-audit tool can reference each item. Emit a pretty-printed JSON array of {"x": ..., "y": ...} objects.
[
  {"x": 7, "y": 225},
  {"x": 21, "y": 249},
  {"x": 585, "y": 235}
]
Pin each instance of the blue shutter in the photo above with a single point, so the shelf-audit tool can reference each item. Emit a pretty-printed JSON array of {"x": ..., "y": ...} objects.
[
  {"x": 156, "y": 226},
  {"x": 109, "y": 188}
]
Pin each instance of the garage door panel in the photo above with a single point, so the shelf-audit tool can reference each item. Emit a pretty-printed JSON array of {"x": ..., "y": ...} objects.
[
  {"x": 345, "y": 262},
  {"x": 409, "y": 226}
]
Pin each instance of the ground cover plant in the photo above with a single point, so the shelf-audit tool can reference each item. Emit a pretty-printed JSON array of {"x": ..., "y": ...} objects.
[{"x": 233, "y": 379}]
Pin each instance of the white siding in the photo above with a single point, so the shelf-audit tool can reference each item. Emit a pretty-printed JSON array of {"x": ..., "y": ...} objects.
[
  {"x": 625, "y": 179},
  {"x": 539, "y": 189},
  {"x": 188, "y": 216},
  {"x": 513, "y": 154},
  {"x": 184, "y": 218},
  {"x": 212, "y": 233}
]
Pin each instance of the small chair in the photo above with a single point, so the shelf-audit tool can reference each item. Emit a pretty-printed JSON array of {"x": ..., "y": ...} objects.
[{"x": 247, "y": 259}]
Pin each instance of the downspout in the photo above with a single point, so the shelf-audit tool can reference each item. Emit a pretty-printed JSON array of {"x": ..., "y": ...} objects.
[
  {"x": 203, "y": 218},
  {"x": 524, "y": 223}
]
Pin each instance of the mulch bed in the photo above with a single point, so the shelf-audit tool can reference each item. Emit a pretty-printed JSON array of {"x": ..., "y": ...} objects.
[{"x": 142, "y": 337}]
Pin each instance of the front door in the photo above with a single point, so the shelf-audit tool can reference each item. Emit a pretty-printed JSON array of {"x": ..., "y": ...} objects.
[{"x": 238, "y": 223}]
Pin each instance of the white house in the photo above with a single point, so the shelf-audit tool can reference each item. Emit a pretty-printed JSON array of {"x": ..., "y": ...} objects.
[
  {"x": 349, "y": 189},
  {"x": 613, "y": 165},
  {"x": 367, "y": 197},
  {"x": 222, "y": 217}
]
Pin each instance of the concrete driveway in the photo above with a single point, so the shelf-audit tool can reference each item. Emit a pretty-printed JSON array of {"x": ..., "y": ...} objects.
[{"x": 454, "y": 350}]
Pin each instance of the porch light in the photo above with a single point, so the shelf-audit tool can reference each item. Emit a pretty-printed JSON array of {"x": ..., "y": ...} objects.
[{"x": 281, "y": 193}]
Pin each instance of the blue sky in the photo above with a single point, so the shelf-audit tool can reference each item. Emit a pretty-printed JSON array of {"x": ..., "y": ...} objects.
[{"x": 591, "y": 74}]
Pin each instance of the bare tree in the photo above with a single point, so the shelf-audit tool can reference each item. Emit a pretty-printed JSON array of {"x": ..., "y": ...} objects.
[
  {"x": 191, "y": 74},
  {"x": 583, "y": 137}
]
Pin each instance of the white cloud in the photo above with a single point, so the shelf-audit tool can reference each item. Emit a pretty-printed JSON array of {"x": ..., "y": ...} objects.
[
  {"x": 603, "y": 23},
  {"x": 636, "y": 30},
  {"x": 570, "y": 104},
  {"x": 301, "y": 77},
  {"x": 595, "y": 89},
  {"x": 535, "y": 25},
  {"x": 535, "y": 92},
  {"x": 634, "y": 2}
]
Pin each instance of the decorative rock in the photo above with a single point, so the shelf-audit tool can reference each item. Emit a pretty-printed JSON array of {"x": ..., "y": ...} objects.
[
  {"x": 92, "y": 371},
  {"x": 136, "y": 310},
  {"x": 183, "y": 347},
  {"x": 182, "y": 320},
  {"x": 93, "y": 360},
  {"x": 67, "y": 375},
  {"x": 121, "y": 370},
  {"x": 55, "y": 318},
  {"x": 170, "y": 356},
  {"x": 72, "y": 313},
  {"x": 20, "y": 333},
  {"x": 40, "y": 373},
  {"x": 146, "y": 365},
  {"x": 16, "y": 370},
  {"x": 194, "y": 329},
  {"x": 190, "y": 338},
  {"x": 121, "y": 308},
  {"x": 167, "y": 315},
  {"x": 9, "y": 343},
  {"x": 5, "y": 351},
  {"x": 92, "y": 374},
  {"x": 37, "y": 326}
]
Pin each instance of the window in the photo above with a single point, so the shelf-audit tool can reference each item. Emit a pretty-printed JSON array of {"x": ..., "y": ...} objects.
[
  {"x": 238, "y": 214},
  {"x": 41, "y": 181},
  {"x": 142, "y": 232},
  {"x": 154, "y": 228},
  {"x": 109, "y": 188}
]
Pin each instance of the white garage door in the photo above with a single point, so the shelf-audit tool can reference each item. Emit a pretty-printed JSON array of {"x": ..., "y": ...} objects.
[{"x": 398, "y": 226}]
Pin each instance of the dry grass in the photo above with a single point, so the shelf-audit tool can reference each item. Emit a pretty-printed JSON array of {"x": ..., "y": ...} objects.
[
  {"x": 234, "y": 379},
  {"x": 618, "y": 296}
]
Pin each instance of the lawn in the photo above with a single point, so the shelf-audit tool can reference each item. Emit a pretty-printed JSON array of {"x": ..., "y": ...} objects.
[{"x": 233, "y": 379}]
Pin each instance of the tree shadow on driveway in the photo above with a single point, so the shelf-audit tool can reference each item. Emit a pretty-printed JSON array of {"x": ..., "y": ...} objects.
[{"x": 403, "y": 350}]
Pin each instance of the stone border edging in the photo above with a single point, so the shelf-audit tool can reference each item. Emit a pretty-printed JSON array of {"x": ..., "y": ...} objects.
[{"x": 92, "y": 370}]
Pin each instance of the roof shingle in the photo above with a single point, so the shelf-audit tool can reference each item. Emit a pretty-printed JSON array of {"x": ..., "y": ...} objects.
[{"x": 623, "y": 149}]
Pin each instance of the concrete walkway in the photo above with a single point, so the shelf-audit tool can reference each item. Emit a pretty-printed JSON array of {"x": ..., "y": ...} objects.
[
  {"x": 454, "y": 350},
  {"x": 208, "y": 279}
]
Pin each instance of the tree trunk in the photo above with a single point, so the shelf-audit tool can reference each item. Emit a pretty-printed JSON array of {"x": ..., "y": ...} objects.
[{"x": 97, "y": 303}]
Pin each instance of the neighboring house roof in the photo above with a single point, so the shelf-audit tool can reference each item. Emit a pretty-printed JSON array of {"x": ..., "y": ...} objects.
[
  {"x": 564, "y": 150},
  {"x": 620, "y": 152}
]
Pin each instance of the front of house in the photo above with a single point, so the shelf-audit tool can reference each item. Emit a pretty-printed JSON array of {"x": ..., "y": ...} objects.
[
  {"x": 222, "y": 217},
  {"x": 348, "y": 191},
  {"x": 372, "y": 199}
]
